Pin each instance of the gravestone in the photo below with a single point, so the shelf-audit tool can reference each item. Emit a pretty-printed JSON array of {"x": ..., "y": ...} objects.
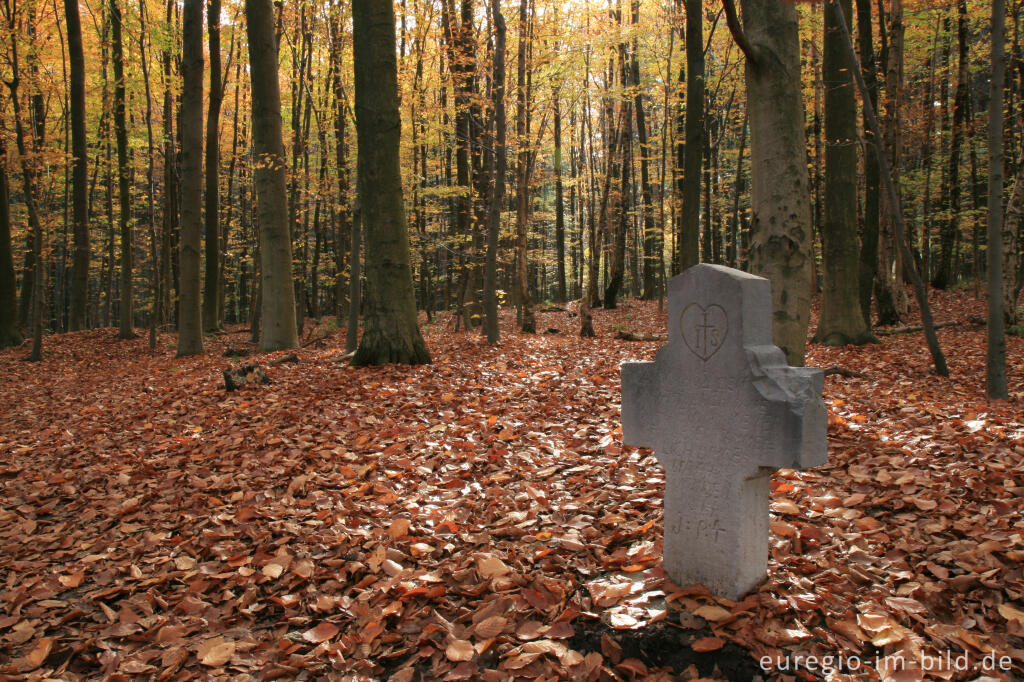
[{"x": 722, "y": 411}]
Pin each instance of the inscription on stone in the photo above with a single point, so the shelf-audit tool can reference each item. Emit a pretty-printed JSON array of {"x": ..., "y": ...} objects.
[
  {"x": 704, "y": 329},
  {"x": 722, "y": 411}
]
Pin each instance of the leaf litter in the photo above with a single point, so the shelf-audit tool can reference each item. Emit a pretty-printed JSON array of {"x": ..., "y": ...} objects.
[{"x": 479, "y": 518}]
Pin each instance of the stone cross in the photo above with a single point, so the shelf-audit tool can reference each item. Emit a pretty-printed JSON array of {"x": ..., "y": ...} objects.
[{"x": 722, "y": 411}]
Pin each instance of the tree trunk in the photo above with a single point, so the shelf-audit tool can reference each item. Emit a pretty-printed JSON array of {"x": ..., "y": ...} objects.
[
  {"x": 190, "y": 328},
  {"x": 945, "y": 274},
  {"x": 28, "y": 174},
  {"x": 170, "y": 203},
  {"x": 343, "y": 227},
  {"x": 736, "y": 251},
  {"x": 154, "y": 276},
  {"x": 890, "y": 294},
  {"x": 938, "y": 358},
  {"x": 277, "y": 292},
  {"x": 780, "y": 246},
  {"x": 995, "y": 373},
  {"x": 1011, "y": 227},
  {"x": 689, "y": 239},
  {"x": 500, "y": 164},
  {"x": 617, "y": 256},
  {"x": 79, "y": 170},
  {"x": 841, "y": 321},
  {"x": 868, "y": 269},
  {"x": 124, "y": 172},
  {"x": 559, "y": 206},
  {"x": 527, "y": 322},
  {"x": 651, "y": 236},
  {"x": 211, "y": 319},
  {"x": 9, "y": 334},
  {"x": 391, "y": 332}
]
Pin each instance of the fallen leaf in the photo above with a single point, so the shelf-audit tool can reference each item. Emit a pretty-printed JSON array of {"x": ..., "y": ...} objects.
[
  {"x": 321, "y": 633},
  {"x": 459, "y": 650},
  {"x": 215, "y": 652}
]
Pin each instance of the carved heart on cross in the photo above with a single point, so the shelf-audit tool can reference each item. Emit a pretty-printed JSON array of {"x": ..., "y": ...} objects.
[{"x": 704, "y": 329}]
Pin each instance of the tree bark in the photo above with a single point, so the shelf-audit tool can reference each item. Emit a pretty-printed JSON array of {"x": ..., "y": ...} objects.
[
  {"x": 28, "y": 174},
  {"x": 901, "y": 238},
  {"x": 500, "y": 168},
  {"x": 995, "y": 366},
  {"x": 1011, "y": 226},
  {"x": 889, "y": 292},
  {"x": 342, "y": 230},
  {"x": 559, "y": 205},
  {"x": 868, "y": 269},
  {"x": 689, "y": 238},
  {"x": 277, "y": 306},
  {"x": 391, "y": 332},
  {"x": 170, "y": 198},
  {"x": 780, "y": 246},
  {"x": 154, "y": 277},
  {"x": 9, "y": 334},
  {"x": 527, "y": 322},
  {"x": 124, "y": 172},
  {"x": 212, "y": 284},
  {"x": 841, "y": 321},
  {"x": 945, "y": 274},
  {"x": 190, "y": 327},
  {"x": 79, "y": 170},
  {"x": 652, "y": 241}
]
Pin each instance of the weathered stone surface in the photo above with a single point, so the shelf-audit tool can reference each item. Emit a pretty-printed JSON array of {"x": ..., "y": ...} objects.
[{"x": 722, "y": 411}]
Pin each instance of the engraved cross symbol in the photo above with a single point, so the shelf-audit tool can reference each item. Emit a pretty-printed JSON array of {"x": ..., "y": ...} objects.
[
  {"x": 704, "y": 328},
  {"x": 707, "y": 325}
]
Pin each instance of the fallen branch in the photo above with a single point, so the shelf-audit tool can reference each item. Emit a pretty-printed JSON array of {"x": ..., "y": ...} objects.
[
  {"x": 844, "y": 372},
  {"x": 291, "y": 357},
  {"x": 321, "y": 337},
  {"x": 910, "y": 329},
  {"x": 640, "y": 336}
]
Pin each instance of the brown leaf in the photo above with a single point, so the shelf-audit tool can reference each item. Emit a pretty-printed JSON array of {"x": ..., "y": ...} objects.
[
  {"x": 399, "y": 528},
  {"x": 39, "y": 652},
  {"x": 72, "y": 580},
  {"x": 712, "y": 613},
  {"x": 215, "y": 652},
  {"x": 490, "y": 627},
  {"x": 706, "y": 644},
  {"x": 459, "y": 650},
  {"x": 321, "y": 633}
]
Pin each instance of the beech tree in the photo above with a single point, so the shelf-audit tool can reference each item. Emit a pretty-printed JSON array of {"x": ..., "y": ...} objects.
[
  {"x": 277, "y": 304},
  {"x": 689, "y": 237},
  {"x": 390, "y": 330},
  {"x": 626, "y": 123},
  {"x": 9, "y": 334},
  {"x": 995, "y": 372},
  {"x": 79, "y": 169},
  {"x": 211, "y": 281},
  {"x": 842, "y": 320},
  {"x": 124, "y": 173},
  {"x": 500, "y": 163},
  {"x": 190, "y": 323},
  {"x": 780, "y": 246}
]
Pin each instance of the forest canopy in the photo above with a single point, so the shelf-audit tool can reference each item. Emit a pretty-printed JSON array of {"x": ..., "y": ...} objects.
[{"x": 627, "y": 145}]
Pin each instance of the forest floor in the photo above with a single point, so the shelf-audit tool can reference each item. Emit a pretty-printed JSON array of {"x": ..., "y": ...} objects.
[{"x": 479, "y": 518}]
